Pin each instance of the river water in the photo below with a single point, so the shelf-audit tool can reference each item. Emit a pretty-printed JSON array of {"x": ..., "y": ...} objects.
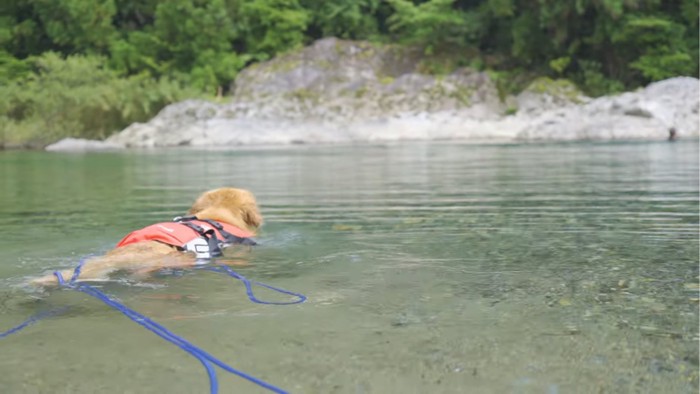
[{"x": 429, "y": 268}]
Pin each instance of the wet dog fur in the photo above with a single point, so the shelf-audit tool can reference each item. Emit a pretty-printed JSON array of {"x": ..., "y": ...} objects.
[{"x": 237, "y": 207}]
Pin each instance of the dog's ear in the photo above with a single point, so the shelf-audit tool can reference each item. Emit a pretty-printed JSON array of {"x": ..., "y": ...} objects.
[
  {"x": 204, "y": 202},
  {"x": 212, "y": 198},
  {"x": 251, "y": 215},
  {"x": 198, "y": 206}
]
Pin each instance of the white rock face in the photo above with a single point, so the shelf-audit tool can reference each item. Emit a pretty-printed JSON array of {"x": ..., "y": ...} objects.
[{"x": 342, "y": 91}]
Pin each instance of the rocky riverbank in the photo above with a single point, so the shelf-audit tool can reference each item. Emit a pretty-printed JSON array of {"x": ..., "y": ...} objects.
[{"x": 339, "y": 91}]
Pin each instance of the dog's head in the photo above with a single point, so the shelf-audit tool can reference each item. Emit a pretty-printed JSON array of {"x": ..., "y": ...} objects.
[{"x": 233, "y": 206}]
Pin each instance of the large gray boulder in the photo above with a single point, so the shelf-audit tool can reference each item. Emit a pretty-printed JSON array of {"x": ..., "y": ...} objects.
[
  {"x": 336, "y": 80},
  {"x": 647, "y": 114}
]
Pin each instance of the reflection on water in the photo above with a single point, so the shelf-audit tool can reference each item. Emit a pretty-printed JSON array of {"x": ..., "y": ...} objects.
[{"x": 430, "y": 268}]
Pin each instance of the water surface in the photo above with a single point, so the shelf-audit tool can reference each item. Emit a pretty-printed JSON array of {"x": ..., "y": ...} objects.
[{"x": 429, "y": 267}]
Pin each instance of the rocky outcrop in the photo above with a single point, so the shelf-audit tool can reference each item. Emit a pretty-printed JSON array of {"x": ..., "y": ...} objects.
[
  {"x": 333, "y": 91},
  {"x": 342, "y": 81},
  {"x": 345, "y": 91}
]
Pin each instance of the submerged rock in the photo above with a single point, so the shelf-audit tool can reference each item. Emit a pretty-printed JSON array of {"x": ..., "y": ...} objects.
[{"x": 348, "y": 91}]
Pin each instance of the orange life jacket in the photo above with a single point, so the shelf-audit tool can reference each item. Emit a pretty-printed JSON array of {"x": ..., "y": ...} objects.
[{"x": 205, "y": 238}]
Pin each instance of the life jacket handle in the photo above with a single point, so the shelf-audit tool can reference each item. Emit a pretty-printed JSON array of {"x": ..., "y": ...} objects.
[{"x": 209, "y": 235}]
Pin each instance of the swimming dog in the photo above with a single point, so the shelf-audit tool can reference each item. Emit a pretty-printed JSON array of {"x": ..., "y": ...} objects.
[{"x": 218, "y": 218}]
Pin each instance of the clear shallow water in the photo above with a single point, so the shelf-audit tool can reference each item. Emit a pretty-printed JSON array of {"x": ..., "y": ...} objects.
[{"x": 430, "y": 268}]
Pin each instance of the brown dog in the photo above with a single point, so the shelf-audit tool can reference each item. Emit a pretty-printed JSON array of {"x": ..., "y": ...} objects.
[{"x": 222, "y": 216}]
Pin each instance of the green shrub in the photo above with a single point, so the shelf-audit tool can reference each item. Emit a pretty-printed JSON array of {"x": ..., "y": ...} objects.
[
  {"x": 594, "y": 82},
  {"x": 77, "y": 97}
]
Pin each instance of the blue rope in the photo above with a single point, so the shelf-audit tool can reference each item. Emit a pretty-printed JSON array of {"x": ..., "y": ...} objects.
[
  {"x": 33, "y": 319},
  {"x": 249, "y": 287},
  {"x": 44, "y": 314},
  {"x": 205, "y": 358}
]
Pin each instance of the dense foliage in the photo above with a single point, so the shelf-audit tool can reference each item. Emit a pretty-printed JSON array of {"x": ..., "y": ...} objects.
[{"x": 87, "y": 68}]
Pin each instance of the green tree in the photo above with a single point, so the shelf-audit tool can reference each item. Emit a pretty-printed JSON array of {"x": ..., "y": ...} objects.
[
  {"x": 349, "y": 19},
  {"x": 189, "y": 40},
  {"x": 435, "y": 24},
  {"x": 134, "y": 14},
  {"x": 77, "y": 26},
  {"x": 267, "y": 27},
  {"x": 602, "y": 44},
  {"x": 21, "y": 33},
  {"x": 656, "y": 46}
]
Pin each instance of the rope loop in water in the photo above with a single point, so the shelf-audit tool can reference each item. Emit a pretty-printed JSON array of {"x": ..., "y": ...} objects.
[{"x": 249, "y": 287}]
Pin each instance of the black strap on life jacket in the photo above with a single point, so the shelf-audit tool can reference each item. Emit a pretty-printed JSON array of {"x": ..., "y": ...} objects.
[
  {"x": 230, "y": 238},
  {"x": 209, "y": 235}
]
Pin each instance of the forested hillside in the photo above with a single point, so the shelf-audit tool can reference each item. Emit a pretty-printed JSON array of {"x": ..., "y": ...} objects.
[{"x": 88, "y": 68}]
